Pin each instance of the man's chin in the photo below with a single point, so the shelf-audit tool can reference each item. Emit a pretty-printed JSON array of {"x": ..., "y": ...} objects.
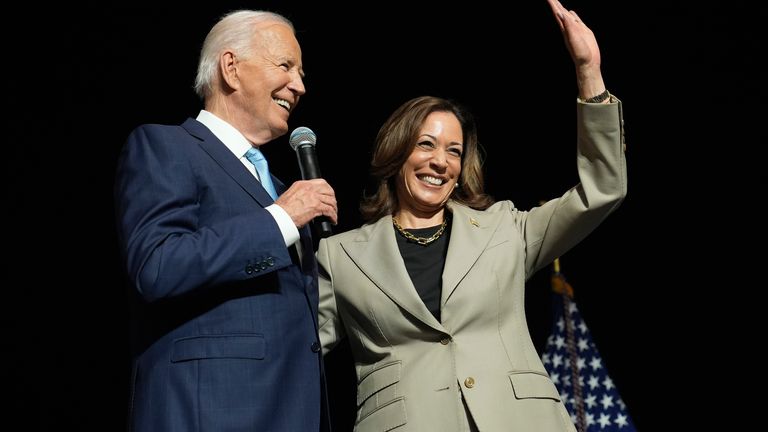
[{"x": 279, "y": 130}]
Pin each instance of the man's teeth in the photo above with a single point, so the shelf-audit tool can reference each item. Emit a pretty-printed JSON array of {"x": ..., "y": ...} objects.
[
  {"x": 431, "y": 180},
  {"x": 283, "y": 103}
]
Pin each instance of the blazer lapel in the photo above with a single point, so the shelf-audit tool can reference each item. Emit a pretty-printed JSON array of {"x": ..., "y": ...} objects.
[
  {"x": 280, "y": 187},
  {"x": 470, "y": 233},
  {"x": 308, "y": 263},
  {"x": 375, "y": 252},
  {"x": 221, "y": 154}
]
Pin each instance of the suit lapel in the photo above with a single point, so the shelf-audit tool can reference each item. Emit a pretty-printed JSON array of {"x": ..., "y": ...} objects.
[
  {"x": 280, "y": 187},
  {"x": 470, "y": 233},
  {"x": 308, "y": 263},
  {"x": 228, "y": 162},
  {"x": 375, "y": 252}
]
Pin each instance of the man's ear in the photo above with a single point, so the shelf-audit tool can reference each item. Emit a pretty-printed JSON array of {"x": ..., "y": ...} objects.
[{"x": 228, "y": 69}]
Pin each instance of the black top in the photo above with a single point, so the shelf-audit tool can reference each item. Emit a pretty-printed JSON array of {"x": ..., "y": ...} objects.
[{"x": 425, "y": 264}]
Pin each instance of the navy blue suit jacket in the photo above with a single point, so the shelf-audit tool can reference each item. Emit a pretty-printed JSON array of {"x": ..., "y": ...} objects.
[{"x": 225, "y": 320}]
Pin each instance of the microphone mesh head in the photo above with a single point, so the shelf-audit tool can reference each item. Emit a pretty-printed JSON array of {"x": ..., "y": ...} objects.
[{"x": 302, "y": 136}]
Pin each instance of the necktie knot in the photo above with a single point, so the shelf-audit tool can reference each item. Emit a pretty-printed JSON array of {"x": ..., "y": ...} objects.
[
  {"x": 254, "y": 154},
  {"x": 256, "y": 157}
]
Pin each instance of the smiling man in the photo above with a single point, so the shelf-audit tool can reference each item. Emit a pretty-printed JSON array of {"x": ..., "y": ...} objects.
[{"x": 218, "y": 251}]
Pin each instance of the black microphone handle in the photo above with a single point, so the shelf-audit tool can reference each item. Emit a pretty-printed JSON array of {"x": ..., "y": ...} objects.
[{"x": 310, "y": 169}]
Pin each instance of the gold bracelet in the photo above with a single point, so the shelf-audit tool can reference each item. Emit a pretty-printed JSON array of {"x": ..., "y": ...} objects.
[{"x": 599, "y": 98}]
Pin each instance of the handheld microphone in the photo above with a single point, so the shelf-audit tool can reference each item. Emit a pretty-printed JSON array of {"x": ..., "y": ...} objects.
[{"x": 303, "y": 141}]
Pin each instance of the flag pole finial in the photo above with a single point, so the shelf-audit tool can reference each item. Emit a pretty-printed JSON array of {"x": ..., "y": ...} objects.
[{"x": 559, "y": 284}]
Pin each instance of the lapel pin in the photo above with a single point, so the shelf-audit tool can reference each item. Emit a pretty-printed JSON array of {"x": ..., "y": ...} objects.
[{"x": 474, "y": 222}]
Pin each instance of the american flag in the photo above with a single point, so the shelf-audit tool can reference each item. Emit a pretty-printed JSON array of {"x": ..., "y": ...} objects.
[{"x": 578, "y": 371}]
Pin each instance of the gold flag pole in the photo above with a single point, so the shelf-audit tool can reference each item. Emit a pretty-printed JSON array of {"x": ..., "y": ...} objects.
[{"x": 562, "y": 287}]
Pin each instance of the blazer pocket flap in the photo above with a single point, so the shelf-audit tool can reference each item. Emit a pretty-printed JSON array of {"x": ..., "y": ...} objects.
[
  {"x": 207, "y": 347},
  {"x": 377, "y": 379},
  {"x": 529, "y": 385},
  {"x": 385, "y": 418}
]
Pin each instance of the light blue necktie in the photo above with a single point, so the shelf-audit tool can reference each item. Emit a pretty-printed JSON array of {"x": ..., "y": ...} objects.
[{"x": 255, "y": 157}]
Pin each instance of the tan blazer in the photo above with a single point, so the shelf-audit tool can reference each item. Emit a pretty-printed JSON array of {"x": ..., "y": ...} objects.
[{"x": 412, "y": 370}]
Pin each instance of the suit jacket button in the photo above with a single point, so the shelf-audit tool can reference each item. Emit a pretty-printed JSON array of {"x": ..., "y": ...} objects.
[
  {"x": 249, "y": 269},
  {"x": 445, "y": 341},
  {"x": 315, "y": 346},
  {"x": 270, "y": 261},
  {"x": 469, "y": 382}
]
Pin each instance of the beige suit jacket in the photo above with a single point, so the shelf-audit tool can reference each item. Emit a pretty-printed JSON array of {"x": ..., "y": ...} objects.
[{"x": 413, "y": 370}]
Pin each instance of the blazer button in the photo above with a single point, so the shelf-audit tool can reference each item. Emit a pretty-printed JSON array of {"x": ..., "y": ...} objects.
[
  {"x": 445, "y": 341},
  {"x": 315, "y": 346},
  {"x": 249, "y": 269},
  {"x": 469, "y": 382},
  {"x": 270, "y": 261}
]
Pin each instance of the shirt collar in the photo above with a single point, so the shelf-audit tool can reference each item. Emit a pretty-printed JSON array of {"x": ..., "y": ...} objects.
[{"x": 231, "y": 137}]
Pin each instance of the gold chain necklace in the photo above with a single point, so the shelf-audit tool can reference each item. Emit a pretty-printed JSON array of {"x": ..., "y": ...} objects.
[{"x": 421, "y": 240}]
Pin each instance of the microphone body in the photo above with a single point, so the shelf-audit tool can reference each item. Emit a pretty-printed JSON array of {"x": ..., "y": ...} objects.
[{"x": 303, "y": 141}]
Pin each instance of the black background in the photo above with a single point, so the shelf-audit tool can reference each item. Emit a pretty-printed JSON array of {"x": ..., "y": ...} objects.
[{"x": 657, "y": 283}]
